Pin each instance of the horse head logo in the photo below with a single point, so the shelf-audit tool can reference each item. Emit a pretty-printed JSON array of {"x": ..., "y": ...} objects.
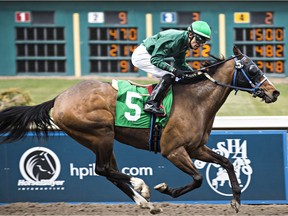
[{"x": 39, "y": 164}]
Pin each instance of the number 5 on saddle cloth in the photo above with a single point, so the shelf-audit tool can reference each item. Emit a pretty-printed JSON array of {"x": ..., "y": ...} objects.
[{"x": 129, "y": 110}]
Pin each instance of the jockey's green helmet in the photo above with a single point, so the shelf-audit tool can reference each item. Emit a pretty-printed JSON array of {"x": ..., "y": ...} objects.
[{"x": 200, "y": 28}]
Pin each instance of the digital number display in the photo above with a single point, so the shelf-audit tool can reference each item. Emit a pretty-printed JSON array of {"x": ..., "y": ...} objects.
[
  {"x": 262, "y": 18},
  {"x": 112, "y": 17},
  {"x": 264, "y": 45},
  {"x": 114, "y": 34},
  {"x": 265, "y": 18},
  {"x": 111, "y": 47},
  {"x": 263, "y": 42},
  {"x": 186, "y": 18},
  {"x": 180, "y": 18},
  {"x": 195, "y": 57},
  {"x": 192, "y": 55}
]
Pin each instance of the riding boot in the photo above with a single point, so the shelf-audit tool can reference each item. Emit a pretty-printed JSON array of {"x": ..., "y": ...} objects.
[{"x": 157, "y": 95}]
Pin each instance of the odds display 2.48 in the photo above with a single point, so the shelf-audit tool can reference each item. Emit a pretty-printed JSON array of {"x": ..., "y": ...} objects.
[{"x": 262, "y": 40}]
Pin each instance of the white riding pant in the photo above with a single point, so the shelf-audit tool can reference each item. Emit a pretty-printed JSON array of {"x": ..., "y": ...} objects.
[{"x": 142, "y": 60}]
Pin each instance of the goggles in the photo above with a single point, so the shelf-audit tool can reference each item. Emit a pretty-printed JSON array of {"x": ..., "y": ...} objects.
[{"x": 200, "y": 40}]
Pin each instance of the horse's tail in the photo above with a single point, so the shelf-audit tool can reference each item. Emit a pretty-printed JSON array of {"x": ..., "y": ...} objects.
[{"x": 16, "y": 121}]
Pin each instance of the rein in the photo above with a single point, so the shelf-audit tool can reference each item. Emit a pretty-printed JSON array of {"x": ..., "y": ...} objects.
[{"x": 255, "y": 88}]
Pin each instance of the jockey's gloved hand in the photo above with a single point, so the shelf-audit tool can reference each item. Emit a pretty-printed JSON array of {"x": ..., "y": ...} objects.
[{"x": 179, "y": 73}]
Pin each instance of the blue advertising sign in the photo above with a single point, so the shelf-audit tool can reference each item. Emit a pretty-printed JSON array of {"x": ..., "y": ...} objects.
[{"x": 61, "y": 170}]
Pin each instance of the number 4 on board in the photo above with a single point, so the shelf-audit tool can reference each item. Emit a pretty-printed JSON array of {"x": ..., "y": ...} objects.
[{"x": 242, "y": 17}]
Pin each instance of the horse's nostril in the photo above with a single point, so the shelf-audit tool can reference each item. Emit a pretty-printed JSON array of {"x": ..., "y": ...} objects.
[{"x": 276, "y": 94}]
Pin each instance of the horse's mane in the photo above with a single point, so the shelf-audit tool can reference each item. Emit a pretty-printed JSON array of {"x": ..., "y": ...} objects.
[{"x": 209, "y": 66}]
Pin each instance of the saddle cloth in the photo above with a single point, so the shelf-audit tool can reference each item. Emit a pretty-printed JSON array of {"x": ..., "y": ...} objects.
[{"x": 130, "y": 104}]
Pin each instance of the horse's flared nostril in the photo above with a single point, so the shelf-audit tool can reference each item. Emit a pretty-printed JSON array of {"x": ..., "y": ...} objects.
[{"x": 276, "y": 94}]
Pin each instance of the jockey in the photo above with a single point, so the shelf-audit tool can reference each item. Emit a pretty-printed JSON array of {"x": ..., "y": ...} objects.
[{"x": 150, "y": 56}]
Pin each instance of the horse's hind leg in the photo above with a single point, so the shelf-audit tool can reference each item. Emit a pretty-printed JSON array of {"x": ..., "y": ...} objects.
[
  {"x": 101, "y": 143},
  {"x": 138, "y": 184},
  {"x": 207, "y": 155},
  {"x": 130, "y": 192},
  {"x": 106, "y": 166}
]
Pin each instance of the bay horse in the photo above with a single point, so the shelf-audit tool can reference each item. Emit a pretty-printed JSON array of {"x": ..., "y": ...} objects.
[{"x": 86, "y": 112}]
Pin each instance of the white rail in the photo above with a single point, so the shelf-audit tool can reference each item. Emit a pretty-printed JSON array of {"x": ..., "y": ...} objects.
[{"x": 248, "y": 122}]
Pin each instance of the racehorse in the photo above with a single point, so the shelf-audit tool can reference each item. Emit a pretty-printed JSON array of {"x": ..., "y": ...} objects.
[{"x": 86, "y": 112}]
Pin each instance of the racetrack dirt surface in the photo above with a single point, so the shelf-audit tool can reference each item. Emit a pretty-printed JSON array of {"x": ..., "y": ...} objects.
[{"x": 36, "y": 209}]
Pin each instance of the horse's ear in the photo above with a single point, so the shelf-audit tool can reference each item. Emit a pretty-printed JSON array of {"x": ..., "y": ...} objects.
[{"x": 236, "y": 51}]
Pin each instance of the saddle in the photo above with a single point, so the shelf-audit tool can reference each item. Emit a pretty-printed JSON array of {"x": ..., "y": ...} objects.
[
  {"x": 155, "y": 125},
  {"x": 147, "y": 86}
]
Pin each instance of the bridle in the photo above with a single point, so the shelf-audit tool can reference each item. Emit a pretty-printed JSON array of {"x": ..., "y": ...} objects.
[{"x": 255, "y": 87}]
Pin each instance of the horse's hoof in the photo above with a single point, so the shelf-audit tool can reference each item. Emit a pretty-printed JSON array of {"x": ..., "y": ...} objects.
[
  {"x": 145, "y": 205},
  {"x": 153, "y": 209},
  {"x": 235, "y": 205},
  {"x": 161, "y": 187},
  {"x": 156, "y": 210}
]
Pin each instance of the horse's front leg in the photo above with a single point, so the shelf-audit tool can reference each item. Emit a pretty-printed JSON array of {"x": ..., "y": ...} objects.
[
  {"x": 207, "y": 155},
  {"x": 180, "y": 158}
]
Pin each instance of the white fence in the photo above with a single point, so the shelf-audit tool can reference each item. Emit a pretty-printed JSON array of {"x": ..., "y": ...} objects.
[{"x": 248, "y": 122}]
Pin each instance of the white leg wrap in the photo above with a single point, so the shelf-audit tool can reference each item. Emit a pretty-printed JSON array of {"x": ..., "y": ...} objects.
[
  {"x": 139, "y": 200},
  {"x": 143, "y": 203},
  {"x": 139, "y": 185}
]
